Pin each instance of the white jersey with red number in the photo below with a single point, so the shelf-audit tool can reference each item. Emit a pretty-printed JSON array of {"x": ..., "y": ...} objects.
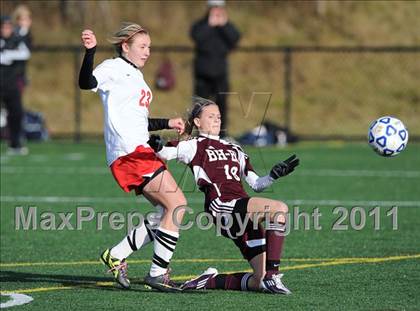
[{"x": 126, "y": 98}]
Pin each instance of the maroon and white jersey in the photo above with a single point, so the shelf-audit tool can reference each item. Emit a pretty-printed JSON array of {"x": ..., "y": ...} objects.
[{"x": 218, "y": 167}]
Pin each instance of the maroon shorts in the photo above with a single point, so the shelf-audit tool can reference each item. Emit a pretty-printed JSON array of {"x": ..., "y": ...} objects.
[{"x": 251, "y": 239}]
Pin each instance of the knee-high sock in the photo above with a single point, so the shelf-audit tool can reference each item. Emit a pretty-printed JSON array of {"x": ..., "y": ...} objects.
[
  {"x": 274, "y": 244},
  {"x": 138, "y": 237},
  {"x": 135, "y": 240},
  {"x": 235, "y": 281},
  {"x": 164, "y": 247}
]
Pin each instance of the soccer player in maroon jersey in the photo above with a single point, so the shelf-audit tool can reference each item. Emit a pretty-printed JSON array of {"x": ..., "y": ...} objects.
[{"x": 218, "y": 167}]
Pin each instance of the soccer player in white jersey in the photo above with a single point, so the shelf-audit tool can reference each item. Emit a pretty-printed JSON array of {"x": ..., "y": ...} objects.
[
  {"x": 218, "y": 167},
  {"x": 126, "y": 98}
]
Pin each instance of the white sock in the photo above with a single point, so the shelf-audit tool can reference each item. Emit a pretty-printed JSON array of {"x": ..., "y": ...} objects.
[
  {"x": 135, "y": 240},
  {"x": 244, "y": 281},
  {"x": 164, "y": 246},
  {"x": 138, "y": 237}
]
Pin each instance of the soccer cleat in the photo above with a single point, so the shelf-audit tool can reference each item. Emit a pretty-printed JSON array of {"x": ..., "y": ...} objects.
[
  {"x": 274, "y": 285},
  {"x": 200, "y": 282},
  {"x": 162, "y": 282},
  {"x": 117, "y": 267}
]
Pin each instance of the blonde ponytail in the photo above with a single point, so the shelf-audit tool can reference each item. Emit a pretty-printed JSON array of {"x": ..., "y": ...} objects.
[{"x": 125, "y": 34}]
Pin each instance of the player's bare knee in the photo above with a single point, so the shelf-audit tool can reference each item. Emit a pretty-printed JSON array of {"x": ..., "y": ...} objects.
[
  {"x": 278, "y": 212},
  {"x": 179, "y": 200},
  {"x": 178, "y": 204},
  {"x": 180, "y": 210},
  {"x": 182, "y": 201},
  {"x": 170, "y": 203},
  {"x": 284, "y": 208}
]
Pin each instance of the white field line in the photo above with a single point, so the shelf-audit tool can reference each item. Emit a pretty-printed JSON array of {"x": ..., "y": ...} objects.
[
  {"x": 100, "y": 170},
  {"x": 16, "y": 300},
  {"x": 359, "y": 173},
  {"x": 293, "y": 202}
]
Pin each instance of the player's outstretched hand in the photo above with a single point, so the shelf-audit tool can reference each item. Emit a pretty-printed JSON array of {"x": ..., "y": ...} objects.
[
  {"x": 177, "y": 124},
  {"x": 284, "y": 168},
  {"x": 156, "y": 142},
  {"x": 88, "y": 38}
]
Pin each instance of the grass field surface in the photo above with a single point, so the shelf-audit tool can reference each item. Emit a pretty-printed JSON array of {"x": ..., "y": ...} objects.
[{"x": 358, "y": 268}]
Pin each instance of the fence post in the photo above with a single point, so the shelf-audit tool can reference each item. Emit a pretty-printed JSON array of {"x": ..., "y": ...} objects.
[
  {"x": 77, "y": 97},
  {"x": 287, "y": 61}
]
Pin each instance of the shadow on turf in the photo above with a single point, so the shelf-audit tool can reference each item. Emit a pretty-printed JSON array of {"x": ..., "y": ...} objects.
[{"x": 77, "y": 281}]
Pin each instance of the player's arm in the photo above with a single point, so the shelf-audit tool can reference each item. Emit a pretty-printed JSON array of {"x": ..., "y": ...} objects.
[
  {"x": 158, "y": 124},
  {"x": 164, "y": 124},
  {"x": 87, "y": 80},
  {"x": 168, "y": 153},
  {"x": 184, "y": 151},
  {"x": 281, "y": 169}
]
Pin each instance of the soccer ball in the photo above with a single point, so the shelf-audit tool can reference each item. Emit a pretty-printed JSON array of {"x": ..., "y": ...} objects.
[{"x": 387, "y": 136}]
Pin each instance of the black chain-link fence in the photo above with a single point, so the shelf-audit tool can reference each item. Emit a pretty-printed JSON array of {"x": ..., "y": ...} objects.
[{"x": 316, "y": 92}]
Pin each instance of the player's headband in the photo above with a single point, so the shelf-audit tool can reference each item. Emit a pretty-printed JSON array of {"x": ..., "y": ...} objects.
[
  {"x": 200, "y": 104},
  {"x": 141, "y": 30}
]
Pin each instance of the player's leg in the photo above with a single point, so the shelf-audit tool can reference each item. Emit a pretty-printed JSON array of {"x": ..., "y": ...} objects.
[
  {"x": 258, "y": 272},
  {"x": 251, "y": 243},
  {"x": 137, "y": 238},
  {"x": 275, "y": 234},
  {"x": 242, "y": 281},
  {"x": 142, "y": 172},
  {"x": 277, "y": 210},
  {"x": 253, "y": 248},
  {"x": 164, "y": 190}
]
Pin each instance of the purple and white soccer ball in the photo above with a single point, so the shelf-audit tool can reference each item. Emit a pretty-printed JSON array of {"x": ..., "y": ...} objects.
[{"x": 387, "y": 136}]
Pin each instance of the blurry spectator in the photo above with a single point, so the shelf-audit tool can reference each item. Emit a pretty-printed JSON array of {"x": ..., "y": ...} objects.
[
  {"x": 214, "y": 37},
  {"x": 23, "y": 21},
  {"x": 12, "y": 49}
]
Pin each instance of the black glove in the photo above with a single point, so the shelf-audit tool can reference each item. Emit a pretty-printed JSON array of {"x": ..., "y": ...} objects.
[
  {"x": 284, "y": 168},
  {"x": 156, "y": 142}
]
